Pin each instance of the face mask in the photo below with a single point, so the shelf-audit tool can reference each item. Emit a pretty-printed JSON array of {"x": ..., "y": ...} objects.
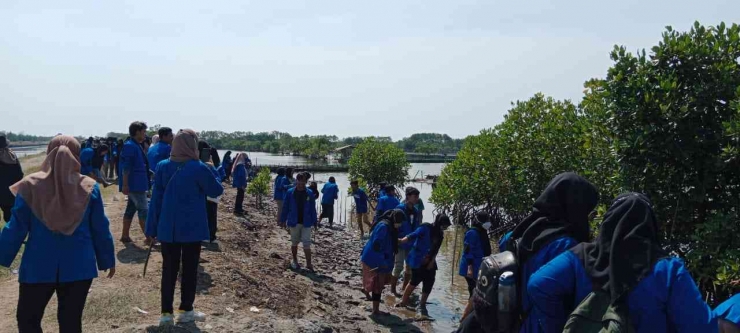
[{"x": 487, "y": 225}]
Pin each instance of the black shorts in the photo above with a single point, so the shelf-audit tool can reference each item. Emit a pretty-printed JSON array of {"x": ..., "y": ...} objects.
[
  {"x": 423, "y": 275},
  {"x": 471, "y": 285}
]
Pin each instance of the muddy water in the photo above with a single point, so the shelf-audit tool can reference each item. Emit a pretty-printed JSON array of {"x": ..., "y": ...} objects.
[{"x": 450, "y": 293}]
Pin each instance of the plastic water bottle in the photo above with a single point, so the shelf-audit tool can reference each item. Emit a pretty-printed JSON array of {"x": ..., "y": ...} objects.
[{"x": 506, "y": 299}]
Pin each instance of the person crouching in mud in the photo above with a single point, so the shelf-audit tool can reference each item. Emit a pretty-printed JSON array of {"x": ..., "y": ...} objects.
[{"x": 378, "y": 256}]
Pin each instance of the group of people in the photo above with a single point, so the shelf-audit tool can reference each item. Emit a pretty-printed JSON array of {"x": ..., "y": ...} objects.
[
  {"x": 173, "y": 183},
  {"x": 560, "y": 265}
]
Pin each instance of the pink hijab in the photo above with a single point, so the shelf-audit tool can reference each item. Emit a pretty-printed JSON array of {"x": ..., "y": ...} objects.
[
  {"x": 239, "y": 159},
  {"x": 58, "y": 194},
  {"x": 184, "y": 146}
]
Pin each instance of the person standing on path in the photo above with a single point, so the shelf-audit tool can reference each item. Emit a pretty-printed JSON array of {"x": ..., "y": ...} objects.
[
  {"x": 59, "y": 214},
  {"x": 179, "y": 224},
  {"x": 227, "y": 164},
  {"x": 410, "y": 223},
  {"x": 299, "y": 214},
  {"x": 160, "y": 150},
  {"x": 279, "y": 192},
  {"x": 239, "y": 181},
  {"x": 360, "y": 207},
  {"x": 378, "y": 255},
  {"x": 427, "y": 239},
  {"x": 135, "y": 179},
  {"x": 10, "y": 173},
  {"x": 330, "y": 192}
]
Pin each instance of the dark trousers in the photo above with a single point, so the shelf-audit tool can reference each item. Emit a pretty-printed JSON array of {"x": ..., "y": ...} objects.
[
  {"x": 172, "y": 253},
  {"x": 112, "y": 162},
  {"x": 212, "y": 211},
  {"x": 6, "y": 212},
  {"x": 33, "y": 297},
  {"x": 328, "y": 212},
  {"x": 239, "y": 201},
  {"x": 471, "y": 285}
]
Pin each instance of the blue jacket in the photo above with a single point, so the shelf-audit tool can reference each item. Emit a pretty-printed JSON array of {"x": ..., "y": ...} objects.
[
  {"x": 290, "y": 209},
  {"x": 360, "y": 201},
  {"x": 221, "y": 172},
  {"x": 378, "y": 251},
  {"x": 504, "y": 239},
  {"x": 51, "y": 257},
  {"x": 132, "y": 160},
  {"x": 177, "y": 210},
  {"x": 385, "y": 204},
  {"x": 215, "y": 173},
  {"x": 86, "y": 156},
  {"x": 410, "y": 223},
  {"x": 541, "y": 258},
  {"x": 278, "y": 190},
  {"x": 729, "y": 310},
  {"x": 158, "y": 153},
  {"x": 330, "y": 193},
  {"x": 421, "y": 245},
  {"x": 667, "y": 300},
  {"x": 239, "y": 177},
  {"x": 472, "y": 253}
]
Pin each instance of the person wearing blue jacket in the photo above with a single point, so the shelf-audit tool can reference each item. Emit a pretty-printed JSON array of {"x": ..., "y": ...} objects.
[
  {"x": 386, "y": 202},
  {"x": 728, "y": 314},
  {"x": 360, "y": 207},
  {"x": 426, "y": 240},
  {"x": 378, "y": 256},
  {"x": 59, "y": 214},
  {"x": 279, "y": 191},
  {"x": 476, "y": 246},
  {"x": 134, "y": 180},
  {"x": 178, "y": 219},
  {"x": 160, "y": 151},
  {"x": 627, "y": 262},
  {"x": 329, "y": 192},
  {"x": 239, "y": 181},
  {"x": 559, "y": 221},
  {"x": 410, "y": 223},
  {"x": 299, "y": 214}
]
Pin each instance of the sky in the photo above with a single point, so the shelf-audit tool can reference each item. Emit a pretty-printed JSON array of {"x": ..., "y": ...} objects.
[{"x": 345, "y": 68}]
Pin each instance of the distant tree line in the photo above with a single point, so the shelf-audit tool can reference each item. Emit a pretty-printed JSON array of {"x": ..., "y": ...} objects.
[{"x": 22, "y": 137}]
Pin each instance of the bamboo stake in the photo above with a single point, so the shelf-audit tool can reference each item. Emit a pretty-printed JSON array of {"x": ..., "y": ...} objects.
[{"x": 454, "y": 254}]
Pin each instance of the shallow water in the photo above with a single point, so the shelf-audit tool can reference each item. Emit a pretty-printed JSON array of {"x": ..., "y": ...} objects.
[{"x": 450, "y": 293}]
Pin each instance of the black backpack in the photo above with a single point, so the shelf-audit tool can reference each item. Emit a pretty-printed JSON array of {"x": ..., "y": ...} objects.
[{"x": 497, "y": 297}]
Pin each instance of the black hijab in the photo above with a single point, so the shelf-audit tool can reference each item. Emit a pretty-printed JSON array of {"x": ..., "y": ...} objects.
[
  {"x": 215, "y": 158},
  {"x": 391, "y": 217},
  {"x": 281, "y": 172},
  {"x": 627, "y": 247},
  {"x": 485, "y": 241},
  {"x": 561, "y": 210}
]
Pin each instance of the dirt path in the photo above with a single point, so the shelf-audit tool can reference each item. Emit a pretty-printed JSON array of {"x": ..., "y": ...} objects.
[{"x": 249, "y": 268}]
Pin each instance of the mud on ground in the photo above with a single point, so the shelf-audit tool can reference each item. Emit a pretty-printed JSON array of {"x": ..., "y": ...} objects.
[{"x": 244, "y": 283}]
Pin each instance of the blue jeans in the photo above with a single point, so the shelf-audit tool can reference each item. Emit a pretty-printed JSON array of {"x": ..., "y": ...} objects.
[{"x": 137, "y": 202}]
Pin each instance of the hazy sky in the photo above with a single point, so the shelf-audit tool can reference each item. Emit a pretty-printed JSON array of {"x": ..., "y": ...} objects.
[{"x": 388, "y": 68}]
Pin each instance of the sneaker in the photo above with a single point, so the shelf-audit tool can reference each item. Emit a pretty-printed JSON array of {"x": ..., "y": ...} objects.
[
  {"x": 167, "y": 320},
  {"x": 295, "y": 266},
  {"x": 190, "y": 316}
]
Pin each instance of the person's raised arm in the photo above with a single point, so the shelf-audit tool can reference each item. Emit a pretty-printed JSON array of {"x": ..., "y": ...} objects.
[
  {"x": 549, "y": 288},
  {"x": 686, "y": 309},
  {"x": 14, "y": 232},
  {"x": 100, "y": 230}
]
